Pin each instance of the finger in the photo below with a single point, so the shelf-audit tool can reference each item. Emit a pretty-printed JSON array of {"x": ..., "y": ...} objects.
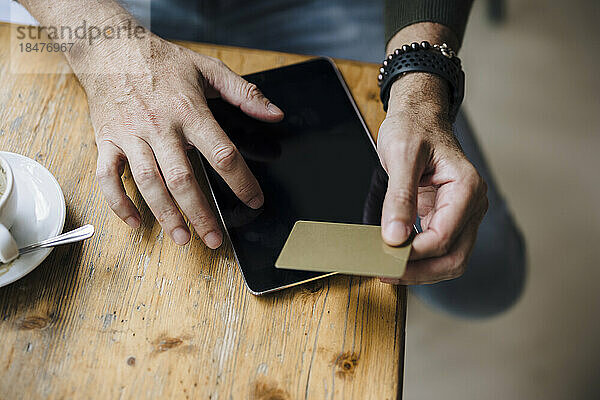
[
  {"x": 237, "y": 91},
  {"x": 152, "y": 187},
  {"x": 450, "y": 266},
  {"x": 208, "y": 137},
  {"x": 425, "y": 203},
  {"x": 456, "y": 202},
  {"x": 184, "y": 188},
  {"x": 404, "y": 163},
  {"x": 109, "y": 168}
]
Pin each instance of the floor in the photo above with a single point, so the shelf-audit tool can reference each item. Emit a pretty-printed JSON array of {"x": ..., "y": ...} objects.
[{"x": 534, "y": 100}]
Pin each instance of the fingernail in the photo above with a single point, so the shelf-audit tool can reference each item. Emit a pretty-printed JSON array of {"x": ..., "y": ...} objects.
[
  {"x": 133, "y": 222},
  {"x": 256, "y": 202},
  {"x": 213, "y": 239},
  {"x": 181, "y": 236},
  {"x": 396, "y": 233},
  {"x": 273, "y": 109}
]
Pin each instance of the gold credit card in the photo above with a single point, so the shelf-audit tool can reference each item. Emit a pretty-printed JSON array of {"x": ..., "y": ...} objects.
[{"x": 346, "y": 248}]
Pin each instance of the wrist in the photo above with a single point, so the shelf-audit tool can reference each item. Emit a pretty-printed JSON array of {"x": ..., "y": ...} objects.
[
  {"x": 422, "y": 93},
  {"x": 118, "y": 66},
  {"x": 114, "y": 46}
]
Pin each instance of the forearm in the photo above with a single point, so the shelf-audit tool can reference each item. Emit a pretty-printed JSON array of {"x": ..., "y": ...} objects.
[
  {"x": 72, "y": 12},
  {"x": 86, "y": 24}
]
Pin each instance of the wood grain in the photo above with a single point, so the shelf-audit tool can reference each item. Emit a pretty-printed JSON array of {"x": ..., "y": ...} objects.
[{"x": 130, "y": 315}]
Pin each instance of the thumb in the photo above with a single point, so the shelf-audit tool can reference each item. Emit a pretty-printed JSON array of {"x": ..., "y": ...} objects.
[
  {"x": 400, "y": 204},
  {"x": 239, "y": 92}
]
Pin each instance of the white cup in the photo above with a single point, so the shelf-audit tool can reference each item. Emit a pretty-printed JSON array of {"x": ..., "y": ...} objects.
[{"x": 8, "y": 211}]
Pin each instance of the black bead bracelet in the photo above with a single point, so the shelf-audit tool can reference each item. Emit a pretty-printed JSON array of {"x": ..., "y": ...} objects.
[{"x": 424, "y": 57}]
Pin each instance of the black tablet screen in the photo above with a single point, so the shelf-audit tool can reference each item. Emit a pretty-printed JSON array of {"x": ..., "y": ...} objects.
[{"x": 318, "y": 164}]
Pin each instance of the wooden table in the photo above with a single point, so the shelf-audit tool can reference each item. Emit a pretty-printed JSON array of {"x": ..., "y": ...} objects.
[{"x": 130, "y": 315}]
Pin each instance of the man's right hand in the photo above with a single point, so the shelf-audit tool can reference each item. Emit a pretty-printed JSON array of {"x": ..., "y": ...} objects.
[{"x": 150, "y": 118}]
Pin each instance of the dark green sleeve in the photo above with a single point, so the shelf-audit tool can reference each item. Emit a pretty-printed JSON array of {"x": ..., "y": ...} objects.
[{"x": 401, "y": 13}]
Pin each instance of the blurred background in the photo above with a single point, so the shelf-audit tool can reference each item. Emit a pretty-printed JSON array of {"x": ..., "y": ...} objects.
[{"x": 533, "y": 97}]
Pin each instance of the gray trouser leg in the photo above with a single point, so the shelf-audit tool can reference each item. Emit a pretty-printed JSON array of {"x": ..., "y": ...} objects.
[{"x": 496, "y": 271}]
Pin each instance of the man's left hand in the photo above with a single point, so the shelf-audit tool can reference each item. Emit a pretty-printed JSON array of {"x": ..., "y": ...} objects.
[{"x": 430, "y": 175}]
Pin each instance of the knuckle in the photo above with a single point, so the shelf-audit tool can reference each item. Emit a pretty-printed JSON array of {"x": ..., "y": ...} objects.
[
  {"x": 484, "y": 186},
  {"x": 397, "y": 147},
  {"x": 104, "y": 172},
  {"x": 183, "y": 105},
  {"x": 206, "y": 62},
  {"x": 444, "y": 244},
  {"x": 225, "y": 157},
  {"x": 190, "y": 110},
  {"x": 116, "y": 203},
  {"x": 203, "y": 223},
  {"x": 221, "y": 64},
  {"x": 167, "y": 214},
  {"x": 478, "y": 182},
  {"x": 472, "y": 178},
  {"x": 481, "y": 186},
  {"x": 149, "y": 123},
  {"x": 251, "y": 91},
  {"x": 391, "y": 125},
  {"x": 247, "y": 190},
  {"x": 485, "y": 206},
  {"x": 179, "y": 178},
  {"x": 103, "y": 132},
  {"x": 458, "y": 267},
  {"x": 386, "y": 125},
  {"x": 471, "y": 182},
  {"x": 146, "y": 176},
  {"x": 409, "y": 151},
  {"x": 215, "y": 61},
  {"x": 402, "y": 196}
]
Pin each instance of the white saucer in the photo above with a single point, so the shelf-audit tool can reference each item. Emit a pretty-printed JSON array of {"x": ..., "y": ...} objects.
[{"x": 40, "y": 214}]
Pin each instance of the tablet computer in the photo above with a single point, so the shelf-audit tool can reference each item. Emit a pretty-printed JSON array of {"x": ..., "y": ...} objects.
[{"x": 318, "y": 164}]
